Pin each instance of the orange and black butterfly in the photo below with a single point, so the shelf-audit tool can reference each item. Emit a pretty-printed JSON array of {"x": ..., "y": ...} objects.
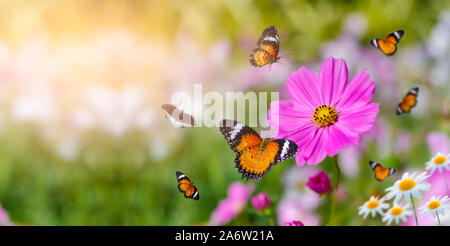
[
  {"x": 388, "y": 45},
  {"x": 408, "y": 102},
  {"x": 268, "y": 48},
  {"x": 186, "y": 186},
  {"x": 255, "y": 155},
  {"x": 380, "y": 172}
]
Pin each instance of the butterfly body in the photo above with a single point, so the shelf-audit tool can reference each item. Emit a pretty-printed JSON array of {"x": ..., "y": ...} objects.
[
  {"x": 254, "y": 155},
  {"x": 267, "y": 50},
  {"x": 380, "y": 172},
  {"x": 388, "y": 45},
  {"x": 408, "y": 102},
  {"x": 186, "y": 186}
]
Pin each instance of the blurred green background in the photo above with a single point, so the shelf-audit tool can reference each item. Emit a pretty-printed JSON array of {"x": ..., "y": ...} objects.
[{"x": 83, "y": 140}]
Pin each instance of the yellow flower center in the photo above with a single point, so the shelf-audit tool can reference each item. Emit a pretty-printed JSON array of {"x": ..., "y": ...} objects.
[
  {"x": 434, "y": 204},
  {"x": 407, "y": 184},
  {"x": 439, "y": 159},
  {"x": 373, "y": 204},
  {"x": 325, "y": 115},
  {"x": 396, "y": 211}
]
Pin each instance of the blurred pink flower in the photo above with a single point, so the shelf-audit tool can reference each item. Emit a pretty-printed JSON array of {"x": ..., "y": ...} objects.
[
  {"x": 319, "y": 183},
  {"x": 4, "y": 217},
  {"x": 402, "y": 142},
  {"x": 325, "y": 114},
  {"x": 349, "y": 160},
  {"x": 289, "y": 210},
  {"x": 260, "y": 201},
  {"x": 230, "y": 207},
  {"x": 438, "y": 142},
  {"x": 294, "y": 223}
]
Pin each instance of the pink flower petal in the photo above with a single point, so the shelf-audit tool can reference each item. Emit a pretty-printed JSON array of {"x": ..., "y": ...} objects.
[
  {"x": 360, "y": 120},
  {"x": 438, "y": 142},
  {"x": 333, "y": 78},
  {"x": 357, "y": 93},
  {"x": 303, "y": 86},
  {"x": 285, "y": 115}
]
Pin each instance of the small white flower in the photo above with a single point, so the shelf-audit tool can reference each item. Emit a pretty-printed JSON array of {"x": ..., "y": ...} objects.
[
  {"x": 397, "y": 212},
  {"x": 435, "y": 205},
  {"x": 407, "y": 186},
  {"x": 373, "y": 206},
  {"x": 439, "y": 161}
]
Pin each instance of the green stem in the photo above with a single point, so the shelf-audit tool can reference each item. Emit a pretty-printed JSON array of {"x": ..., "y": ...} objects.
[
  {"x": 414, "y": 208},
  {"x": 437, "y": 215},
  {"x": 335, "y": 190}
]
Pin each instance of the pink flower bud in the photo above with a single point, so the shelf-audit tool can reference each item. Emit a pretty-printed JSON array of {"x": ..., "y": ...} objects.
[
  {"x": 260, "y": 201},
  {"x": 319, "y": 183}
]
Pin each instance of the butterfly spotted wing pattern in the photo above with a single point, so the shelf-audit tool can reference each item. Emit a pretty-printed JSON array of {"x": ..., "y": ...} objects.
[
  {"x": 388, "y": 45},
  {"x": 255, "y": 156},
  {"x": 177, "y": 117},
  {"x": 267, "y": 50},
  {"x": 186, "y": 186},
  {"x": 380, "y": 173},
  {"x": 408, "y": 102}
]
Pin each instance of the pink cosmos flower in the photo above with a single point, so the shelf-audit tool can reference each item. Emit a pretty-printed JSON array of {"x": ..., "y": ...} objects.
[
  {"x": 229, "y": 208},
  {"x": 260, "y": 201},
  {"x": 319, "y": 183},
  {"x": 325, "y": 114}
]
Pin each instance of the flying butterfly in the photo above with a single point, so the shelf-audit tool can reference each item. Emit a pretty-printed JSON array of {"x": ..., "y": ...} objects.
[
  {"x": 186, "y": 186},
  {"x": 254, "y": 155},
  {"x": 388, "y": 45},
  {"x": 380, "y": 173},
  {"x": 268, "y": 48},
  {"x": 408, "y": 102},
  {"x": 178, "y": 118}
]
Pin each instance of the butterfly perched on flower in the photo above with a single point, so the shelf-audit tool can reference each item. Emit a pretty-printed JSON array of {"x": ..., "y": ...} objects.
[
  {"x": 408, "y": 102},
  {"x": 178, "y": 118},
  {"x": 268, "y": 48},
  {"x": 388, "y": 45},
  {"x": 255, "y": 155},
  {"x": 380, "y": 172},
  {"x": 186, "y": 186}
]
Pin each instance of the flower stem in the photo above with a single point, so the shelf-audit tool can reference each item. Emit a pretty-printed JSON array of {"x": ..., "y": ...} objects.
[
  {"x": 414, "y": 208},
  {"x": 335, "y": 190},
  {"x": 437, "y": 215}
]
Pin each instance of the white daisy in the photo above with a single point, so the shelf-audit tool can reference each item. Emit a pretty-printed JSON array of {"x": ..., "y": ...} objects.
[
  {"x": 373, "y": 206},
  {"x": 438, "y": 161},
  {"x": 407, "y": 186},
  {"x": 397, "y": 212},
  {"x": 435, "y": 205}
]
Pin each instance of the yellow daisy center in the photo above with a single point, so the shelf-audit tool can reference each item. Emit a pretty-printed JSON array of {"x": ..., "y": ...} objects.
[
  {"x": 396, "y": 211},
  {"x": 325, "y": 115},
  {"x": 439, "y": 159},
  {"x": 407, "y": 184},
  {"x": 434, "y": 204},
  {"x": 373, "y": 204}
]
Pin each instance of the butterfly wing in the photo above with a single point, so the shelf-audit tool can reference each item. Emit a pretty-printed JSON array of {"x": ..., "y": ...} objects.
[
  {"x": 408, "y": 102},
  {"x": 380, "y": 173},
  {"x": 238, "y": 135},
  {"x": 254, "y": 162},
  {"x": 186, "y": 186},
  {"x": 259, "y": 57},
  {"x": 177, "y": 117}
]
